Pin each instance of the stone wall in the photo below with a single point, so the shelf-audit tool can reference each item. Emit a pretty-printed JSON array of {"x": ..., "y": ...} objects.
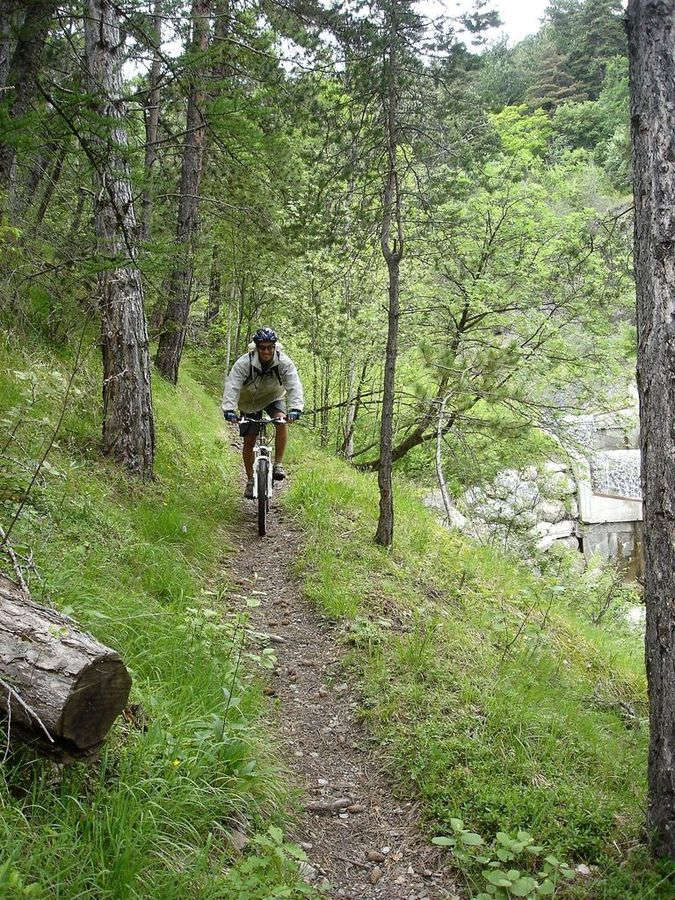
[{"x": 591, "y": 503}]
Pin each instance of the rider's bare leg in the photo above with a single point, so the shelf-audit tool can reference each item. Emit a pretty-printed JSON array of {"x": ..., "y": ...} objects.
[
  {"x": 280, "y": 439},
  {"x": 247, "y": 453}
]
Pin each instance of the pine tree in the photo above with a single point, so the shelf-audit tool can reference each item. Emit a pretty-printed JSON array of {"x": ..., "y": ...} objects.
[{"x": 652, "y": 76}]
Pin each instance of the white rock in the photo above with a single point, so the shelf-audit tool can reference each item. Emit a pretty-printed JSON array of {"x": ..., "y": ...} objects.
[
  {"x": 307, "y": 870},
  {"x": 434, "y": 500},
  {"x": 553, "y": 466},
  {"x": 507, "y": 480},
  {"x": 551, "y": 511},
  {"x": 561, "y": 483},
  {"x": 555, "y": 532},
  {"x": 570, "y": 543},
  {"x": 563, "y": 529}
]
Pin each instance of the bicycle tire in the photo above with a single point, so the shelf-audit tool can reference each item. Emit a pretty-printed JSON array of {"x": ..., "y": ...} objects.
[{"x": 263, "y": 469}]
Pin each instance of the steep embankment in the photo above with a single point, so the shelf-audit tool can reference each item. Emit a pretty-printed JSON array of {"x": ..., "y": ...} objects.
[
  {"x": 188, "y": 773},
  {"x": 495, "y": 697},
  {"x": 490, "y": 693}
]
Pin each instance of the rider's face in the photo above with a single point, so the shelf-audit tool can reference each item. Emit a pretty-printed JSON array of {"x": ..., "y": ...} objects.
[{"x": 266, "y": 351}]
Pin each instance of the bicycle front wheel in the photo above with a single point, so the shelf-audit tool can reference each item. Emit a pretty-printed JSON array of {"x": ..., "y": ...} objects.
[{"x": 263, "y": 471}]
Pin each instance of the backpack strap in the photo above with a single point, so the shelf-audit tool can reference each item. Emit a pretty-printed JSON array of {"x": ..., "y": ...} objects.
[{"x": 249, "y": 377}]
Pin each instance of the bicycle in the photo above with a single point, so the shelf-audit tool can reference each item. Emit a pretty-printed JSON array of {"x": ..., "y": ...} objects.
[{"x": 263, "y": 481}]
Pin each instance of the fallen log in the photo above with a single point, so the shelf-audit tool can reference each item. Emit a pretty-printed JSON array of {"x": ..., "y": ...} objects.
[{"x": 58, "y": 685}]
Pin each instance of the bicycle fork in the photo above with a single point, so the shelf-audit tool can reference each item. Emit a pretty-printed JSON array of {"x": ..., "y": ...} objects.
[{"x": 262, "y": 453}]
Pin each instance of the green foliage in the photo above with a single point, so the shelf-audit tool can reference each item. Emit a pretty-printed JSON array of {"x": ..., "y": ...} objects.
[
  {"x": 138, "y": 566},
  {"x": 588, "y": 33},
  {"x": 537, "y": 876},
  {"x": 274, "y": 862},
  {"x": 524, "y": 135},
  {"x": 502, "y": 697}
]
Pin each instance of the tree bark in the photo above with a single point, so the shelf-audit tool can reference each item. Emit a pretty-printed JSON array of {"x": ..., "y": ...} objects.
[
  {"x": 151, "y": 113},
  {"x": 50, "y": 186},
  {"x": 10, "y": 19},
  {"x": 215, "y": 286},
  {"x": 392, "y": 250},
  {"x": 350, "y": 414},
  {"x": 21, "y": 80},
  {"x": 651, "y": 35},
  {"x": 128, "y": 424},
  {"x": 172, "y": 338},
  {"x": 58, "y": 685}
]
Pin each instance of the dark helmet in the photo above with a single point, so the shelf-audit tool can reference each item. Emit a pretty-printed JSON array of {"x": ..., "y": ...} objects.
[{"x": 265, "y": 334}]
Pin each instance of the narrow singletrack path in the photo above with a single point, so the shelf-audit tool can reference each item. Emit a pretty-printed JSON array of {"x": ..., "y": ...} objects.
[{"x": 359, "y": 838}]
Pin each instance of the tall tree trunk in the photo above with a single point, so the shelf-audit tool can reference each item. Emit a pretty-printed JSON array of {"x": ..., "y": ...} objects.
[
  {"x": 9, "y": 25},
  {"x": 348, "y": 434},
  {"x": 230, "y": 314},
  {"x": 37, "y": 172},
  {"x": 50, "y": 186},
  {"x": 215, "y": 287},
  {"x": 128, "y": 425},
  {"x": 392, "y": 250},
  {"x": 172, "y": 338},
  {"x": 651, "y": 35},
  {"x": 325, "y": 393},
  {"x": 352, "y": 412},
  {"x": 21, "y": 81},
  {"x": 151, "y": 122}
]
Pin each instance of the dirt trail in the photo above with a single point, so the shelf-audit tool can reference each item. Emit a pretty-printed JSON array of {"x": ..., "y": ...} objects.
[{"x": 357, "y": 835}]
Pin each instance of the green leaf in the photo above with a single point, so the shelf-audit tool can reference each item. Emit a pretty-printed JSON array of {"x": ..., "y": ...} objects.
[
  {"x": 442, "y": 841},
  {"x": 524, "y": 886},
  {"x": 504, "y": 855},
  {"x": 456, "y": 824},
  {"x": 497, "y": 877},
  {"x": 276, "y": 834},
  {"x": 546, "y": 888},
  {"x": 525, "y": 837},
  {"x": 471, "y": 839}
]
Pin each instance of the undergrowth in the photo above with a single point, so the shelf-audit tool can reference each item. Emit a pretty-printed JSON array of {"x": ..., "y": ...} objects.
[
  {"x": 501, "y": 698},
  {"x": 138, "y": 566}
]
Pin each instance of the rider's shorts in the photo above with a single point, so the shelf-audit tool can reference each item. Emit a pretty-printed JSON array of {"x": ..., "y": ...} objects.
[{"x": 272, "y": 409}]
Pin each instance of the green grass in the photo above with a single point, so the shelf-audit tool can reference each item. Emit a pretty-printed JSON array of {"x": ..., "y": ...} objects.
[
  {"x": 495, "y": 698},
  {"x": 140, "y": 567}
]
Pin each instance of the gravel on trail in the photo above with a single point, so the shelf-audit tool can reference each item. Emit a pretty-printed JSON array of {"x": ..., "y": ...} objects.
[{"x": 361, "y": 840}]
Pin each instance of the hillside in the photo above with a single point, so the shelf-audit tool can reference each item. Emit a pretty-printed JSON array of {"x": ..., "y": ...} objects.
[
  {"x": 448, "y": 255},
  {"x": 141, "y": 567},
  {"x": 491, "y": 695}
]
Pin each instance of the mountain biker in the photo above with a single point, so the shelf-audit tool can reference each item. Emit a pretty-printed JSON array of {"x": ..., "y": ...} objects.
[{"x": 265, "y": 378}]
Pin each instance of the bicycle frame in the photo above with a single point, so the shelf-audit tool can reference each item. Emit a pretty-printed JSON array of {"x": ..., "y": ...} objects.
[
  {"x": 262, "y": 450},
  {"x": 262, "y": 468}
]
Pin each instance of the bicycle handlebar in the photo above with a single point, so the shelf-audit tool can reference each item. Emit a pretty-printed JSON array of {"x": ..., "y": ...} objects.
[{"x": 279, "y": 421}]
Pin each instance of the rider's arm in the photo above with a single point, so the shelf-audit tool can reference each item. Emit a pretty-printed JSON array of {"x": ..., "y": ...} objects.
[
  {"x": 291, "y": 380},
  {"x": 234, "y": 383}
]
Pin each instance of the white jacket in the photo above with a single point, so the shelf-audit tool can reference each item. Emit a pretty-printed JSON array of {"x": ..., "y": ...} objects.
[{"x": 251, "y": 389}]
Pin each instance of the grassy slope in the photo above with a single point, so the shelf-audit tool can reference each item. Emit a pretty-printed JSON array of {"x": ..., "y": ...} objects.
[
  {"x": 139, "y": 567},
  {"x": 495, "y": 698}
]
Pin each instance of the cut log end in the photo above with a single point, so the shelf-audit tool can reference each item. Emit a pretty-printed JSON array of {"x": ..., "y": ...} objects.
[
  {"x": 98, "y": 697},
  {"x": 62, "y": 688}
]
